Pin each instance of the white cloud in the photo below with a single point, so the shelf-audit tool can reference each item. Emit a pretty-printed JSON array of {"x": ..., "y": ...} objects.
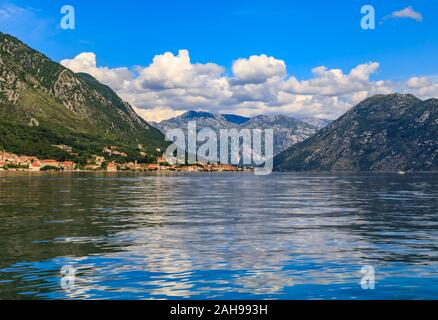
[
  {"x": 172, "y": 84},
  {"x": 422, "y": 87},
  {"x": 418, "y": 82},
  {"x": 168, "y": 71},
  {"x": 86, "y": 62},
  {"x": 333, "y": 82},
  {"x": 406, "y": 13},
  {"x": 158, "y": 114},
  {"x": 258, "y": 69}
]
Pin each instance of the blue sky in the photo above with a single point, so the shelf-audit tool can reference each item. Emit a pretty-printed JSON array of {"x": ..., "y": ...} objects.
[{"x": 303, "y": 34}]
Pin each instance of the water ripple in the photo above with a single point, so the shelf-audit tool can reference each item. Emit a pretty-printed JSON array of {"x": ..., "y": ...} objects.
[{"x": 224, "y": 236}]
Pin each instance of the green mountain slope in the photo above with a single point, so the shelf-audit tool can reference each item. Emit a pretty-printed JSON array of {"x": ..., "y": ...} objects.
[
  {"x": 383, "y": 133},
  {"x": 42, "y": 103}
]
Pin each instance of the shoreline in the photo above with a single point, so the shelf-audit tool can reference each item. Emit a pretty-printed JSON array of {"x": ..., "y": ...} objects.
[
  {"x": 170, "y": 172},
  {"x": 161, "y": 170}
]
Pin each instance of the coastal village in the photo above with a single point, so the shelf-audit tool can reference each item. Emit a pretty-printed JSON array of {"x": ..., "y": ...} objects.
[{"x": 14, "y": 162}]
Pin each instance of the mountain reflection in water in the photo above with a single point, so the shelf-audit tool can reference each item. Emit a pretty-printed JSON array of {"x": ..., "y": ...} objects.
[{"x": 218, "y": 236}]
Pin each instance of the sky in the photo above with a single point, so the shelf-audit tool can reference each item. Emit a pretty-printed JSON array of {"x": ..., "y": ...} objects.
[{"x": 249, "y": 57}]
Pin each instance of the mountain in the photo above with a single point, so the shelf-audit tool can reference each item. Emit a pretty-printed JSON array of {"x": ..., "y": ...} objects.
[
  {"x": 383, "y": 133},
  {"x": 316, "y": 122},
  {"x": 287, "y": 130},
  {"x": 203, "y": 120},
  {"x": 235, "y": 118},
  {"x": 44, "y": 104}
]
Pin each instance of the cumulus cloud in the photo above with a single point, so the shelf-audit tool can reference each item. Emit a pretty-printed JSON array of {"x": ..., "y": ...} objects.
[
  {"x": 418, "y": 82},
  {"x": 422, "y": 87},
  {"x": 334, "y": 82},
  {"x": 258, "y": 69},
  {"x": 86, "y": 62},
  {"x": 168, "y": 71},
  {"x": 172, "y": 84},
  {"x": 176, "y": 74},
  {"x": 406, "y": 13},
  {"x": 158, "y": 114}
]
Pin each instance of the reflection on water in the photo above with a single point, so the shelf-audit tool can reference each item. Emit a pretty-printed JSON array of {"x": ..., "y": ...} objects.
[{"x": 218, "y": 236}]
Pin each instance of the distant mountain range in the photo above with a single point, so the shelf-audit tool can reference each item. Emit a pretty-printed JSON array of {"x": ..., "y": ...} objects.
[
  {"x": 44, "y": 104},
  {"x": 235, "y": 118},
  {"x": 316, "y": 122},
  {"x": 287, "y": 130},
  {"x": 393, "y": 132}
]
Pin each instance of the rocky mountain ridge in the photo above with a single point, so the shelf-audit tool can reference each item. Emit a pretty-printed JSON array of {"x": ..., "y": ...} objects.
[
  {"x": 287, "y": 130},
  {"x": 59, "y": 105},
  {"x": 396, "y": 132}
]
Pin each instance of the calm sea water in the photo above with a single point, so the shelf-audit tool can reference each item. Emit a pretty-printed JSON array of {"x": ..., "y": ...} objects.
[{"x": 218, "y": 236}]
